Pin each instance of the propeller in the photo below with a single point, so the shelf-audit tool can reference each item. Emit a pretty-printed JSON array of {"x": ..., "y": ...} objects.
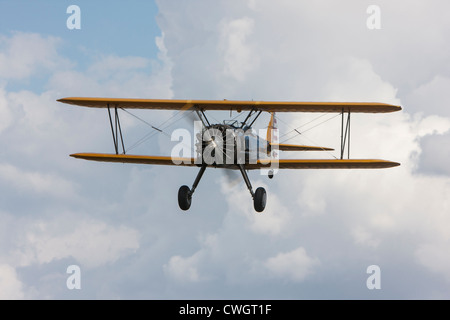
[{"x": 232, "y": 178}]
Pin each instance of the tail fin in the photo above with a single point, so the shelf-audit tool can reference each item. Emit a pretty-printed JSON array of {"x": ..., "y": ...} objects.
[{"x": 271, "y": 130}]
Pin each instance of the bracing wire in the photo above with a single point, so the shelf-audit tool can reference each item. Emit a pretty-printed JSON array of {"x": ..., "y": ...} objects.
[
  {"x": 303, "y": 125},
  {"x": 301, "y": 133},
  {"x": 306, "y": 130},
  {"x": 156, "y": 130}
]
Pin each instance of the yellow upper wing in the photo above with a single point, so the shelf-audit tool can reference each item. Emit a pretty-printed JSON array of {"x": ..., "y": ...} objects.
[{"x": 168, "y": 104}]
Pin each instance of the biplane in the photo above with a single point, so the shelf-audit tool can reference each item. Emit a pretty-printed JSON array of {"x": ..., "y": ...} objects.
[{"x": 239, "y": 151}]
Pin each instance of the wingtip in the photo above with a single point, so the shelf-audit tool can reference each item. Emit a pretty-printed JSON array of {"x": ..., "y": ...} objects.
[
  {"x": 63, "y": 100},
  {"x": 76, "y": 155},
  {"x": 398, "y": 108},
  {"x": 391, "y": 164},
  {"x": 68, "y": 100}
]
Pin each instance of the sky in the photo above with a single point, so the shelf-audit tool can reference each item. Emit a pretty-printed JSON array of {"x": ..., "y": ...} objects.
[{"x": 321, "y": 231}]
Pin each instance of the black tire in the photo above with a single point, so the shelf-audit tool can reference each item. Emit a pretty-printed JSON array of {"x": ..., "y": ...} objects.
[
  {"x": 184, "y": 198},
  {"x": 259, "y": 201}
]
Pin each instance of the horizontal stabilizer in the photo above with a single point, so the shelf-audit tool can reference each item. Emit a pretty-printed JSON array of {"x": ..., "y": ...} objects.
[{"x": 294, "y": 147}]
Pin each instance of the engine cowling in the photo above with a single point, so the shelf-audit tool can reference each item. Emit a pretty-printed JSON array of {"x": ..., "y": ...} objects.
[{"x": 217, "y": 145}]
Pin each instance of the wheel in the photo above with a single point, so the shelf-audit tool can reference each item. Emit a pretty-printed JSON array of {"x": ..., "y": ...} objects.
[
  {"x": 184, "y": 198},
  {"x": 259, "y": 201}
]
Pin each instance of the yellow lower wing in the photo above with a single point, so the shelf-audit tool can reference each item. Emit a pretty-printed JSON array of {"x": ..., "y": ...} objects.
[{"x": 261, "y": 164}]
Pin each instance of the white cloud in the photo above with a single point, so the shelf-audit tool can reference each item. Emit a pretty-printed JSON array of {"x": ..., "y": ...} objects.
[
  {"x": 294, "y": 265},
  {"x": 354, "y": 79},
  {"x": 435, "y": 257},
  {"x": 92, "y": 243},
  {"x": 274, "y": 220},
  {"x": 364, "y": 237},
  {"x": 183, "y": 269},
  {"x": 11, "y": 288},
  {"x": 239, "y": 57},
  {"x": 5, "y": 113},
  {"x": 431, "y": 97},
  {"x": 430, "y": 163},
  {"x": 35, "y": 182},
  {"x": 113, "y": 76},
  {"x": 37, "y": 120},
  {"x": 37, "y": 178},
  {"x": 106, "y": 66},
  {"x": 25, "y": 54},
  {"x": 433, "y": 125}
]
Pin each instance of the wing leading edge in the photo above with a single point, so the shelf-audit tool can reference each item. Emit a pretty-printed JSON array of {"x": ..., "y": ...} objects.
[{"x": 226, "y": 105}]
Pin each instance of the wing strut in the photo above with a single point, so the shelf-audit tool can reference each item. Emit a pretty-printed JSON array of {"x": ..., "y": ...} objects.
[
  {"x": 116, "y": 130},
  {"x": 345, "y": 137}
]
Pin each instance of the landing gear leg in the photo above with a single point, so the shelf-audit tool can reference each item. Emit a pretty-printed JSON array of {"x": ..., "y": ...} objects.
[
  {"x": 185, "y": 194},
  {"x": 259, "y": 197}
]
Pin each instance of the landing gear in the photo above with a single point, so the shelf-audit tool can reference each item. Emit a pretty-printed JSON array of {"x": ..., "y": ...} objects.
[
  {"x": 184, "y": 198},
  {"x": 259, "y": 197},
  {"x": 259, "y": 200},
  {"x": 185, "y": 194}
]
